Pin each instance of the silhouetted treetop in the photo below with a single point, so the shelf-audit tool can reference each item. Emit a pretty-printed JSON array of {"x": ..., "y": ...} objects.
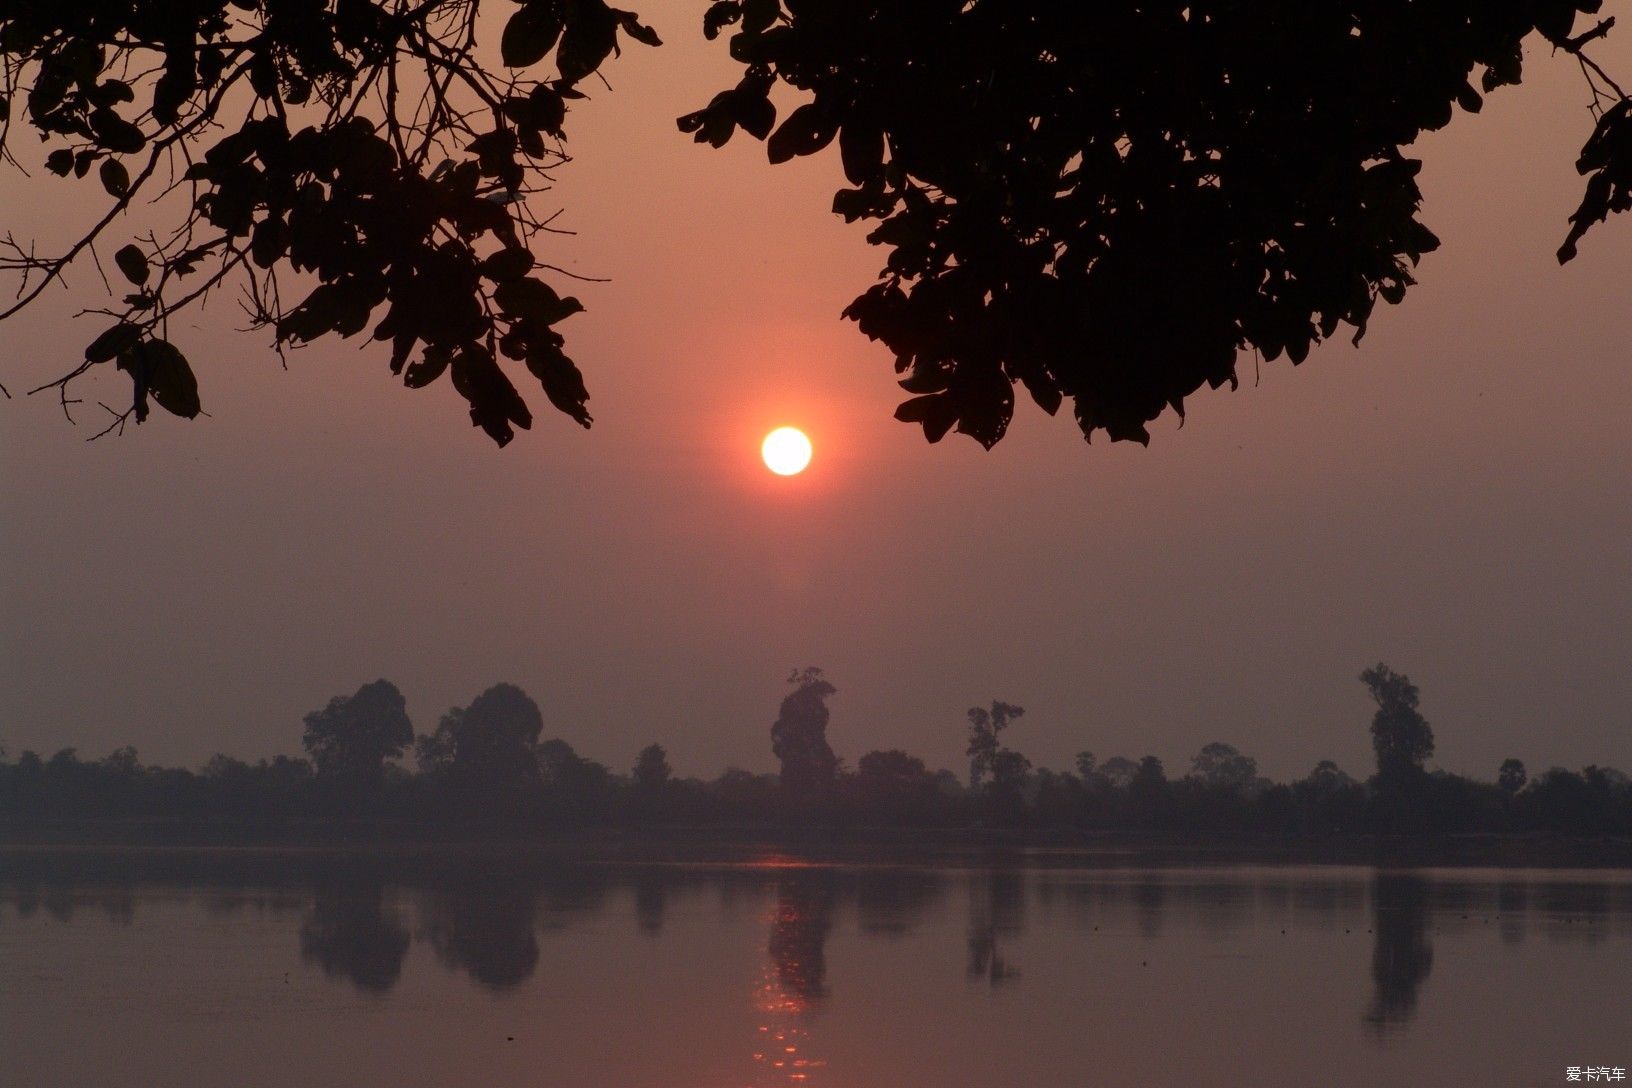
[
  {"x": 893, "y": 768},
  {"x": 799, "y": 736},
  {"x": 1221, "y": 766},
  {"x": 485, "y": 769},
  {"x": 487, "y": 748},
  {"x": 985, "y": 749},
  {"x": 1400, "y": 735},
  {"x": 1106, "y": 203},
  {"x": 652, "y": 771},
  {"x": 352, "y": 737}
]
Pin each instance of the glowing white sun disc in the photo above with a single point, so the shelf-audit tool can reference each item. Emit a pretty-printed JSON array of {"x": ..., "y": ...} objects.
[{"x": 786, "y": 451}]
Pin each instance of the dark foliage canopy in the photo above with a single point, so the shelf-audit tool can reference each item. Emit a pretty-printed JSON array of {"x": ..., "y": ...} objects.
[
  {"x": 354, "y": 735},
  {"x": 1102, "y": 203},
  {"x": 352, "y": 153},
  {"x": 799, "y": 736},
  {"x": 1400, "y": 735},
  {"x": 489, "y": 745},
  {"x": 1106, "y": 203},
  {"x": 987, "y": 756}
]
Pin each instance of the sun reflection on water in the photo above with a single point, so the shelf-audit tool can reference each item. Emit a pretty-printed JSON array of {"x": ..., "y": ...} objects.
[{"x": 792, "y": 985}]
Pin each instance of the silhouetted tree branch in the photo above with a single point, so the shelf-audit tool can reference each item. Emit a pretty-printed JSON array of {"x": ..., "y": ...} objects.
[
  {"x": 353, "y": 152},
  {"x": 1107, "y": 204},
  {"x": 1103, "y": 204}
]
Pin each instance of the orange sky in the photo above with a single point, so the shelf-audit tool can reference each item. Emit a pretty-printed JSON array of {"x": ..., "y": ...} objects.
[{"x": 1452, "y": 497}]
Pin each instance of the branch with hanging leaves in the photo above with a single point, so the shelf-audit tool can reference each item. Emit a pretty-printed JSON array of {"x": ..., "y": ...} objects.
[{"x": 347, "y": 166}]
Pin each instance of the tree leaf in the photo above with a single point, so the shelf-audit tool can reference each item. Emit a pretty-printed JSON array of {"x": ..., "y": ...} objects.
[
  {"x": 530, "y": 34},
  {"x": 562, "y": 382},
  {"x": 589, "y": 38},
  {"x": 548, "y": 109},
  {"x": 720, "y": 15},
  {"x": 170, "y": 378},
  {"x": 115, "y": 178},
  {"x": 426, "y": 370},
  {"x": 494, "y": 403},
  {"x": 115, "y": 133},
  {"x": 758, "y": 15},
  {"x": 936, "y": 413},
  {"x": 807, "y": 130},
  {"x": 133, "y": 263},
  {"x": 112, "y": 341},
  {"x": 637, "y": 30},
  {"x": 861, "y": 146}
]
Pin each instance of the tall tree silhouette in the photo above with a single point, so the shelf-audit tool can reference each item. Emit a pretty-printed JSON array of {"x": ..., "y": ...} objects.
[
  {"x": 576, "y": 786},
  {"x": 799, "y": 737},
  {"x": 1511, "y": 776},
  {"x": 985, "y": 749},
  {"x": 1400, "y": 735},
  {"x": 1148, "y": 788},
  {"x": 486, "y": 750},
  {"x": 652, "y": 772},
  {"x": 350, "y": 739},
  {"x": 1402, "y": 739}
]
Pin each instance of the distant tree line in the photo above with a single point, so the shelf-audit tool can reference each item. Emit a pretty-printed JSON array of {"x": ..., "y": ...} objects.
[{"x": 488, "y": 764}]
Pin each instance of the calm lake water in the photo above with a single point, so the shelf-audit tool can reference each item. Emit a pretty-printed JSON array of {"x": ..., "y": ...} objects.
[{"x": 772, "y": 971}]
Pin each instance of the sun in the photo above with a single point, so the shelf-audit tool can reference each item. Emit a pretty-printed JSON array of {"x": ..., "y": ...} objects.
[{"x": 786, "y": 451}]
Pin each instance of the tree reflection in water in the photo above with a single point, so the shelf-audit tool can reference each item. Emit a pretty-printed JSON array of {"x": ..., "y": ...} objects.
[
  {"x": 1402, "y": 956},
  {"x": 651, "y": 900},
  {"x": 997, "y": 907},
  {"x": 794, "y": 983},
  {"x": 352, "y": 934},
  {"x": 487, "y": 929}
]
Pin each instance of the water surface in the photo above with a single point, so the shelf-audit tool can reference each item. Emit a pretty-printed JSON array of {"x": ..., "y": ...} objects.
[{"x": 774, "y": 971}]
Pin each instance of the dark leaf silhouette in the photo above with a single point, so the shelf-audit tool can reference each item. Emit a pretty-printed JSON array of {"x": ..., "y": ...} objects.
[
  {"x": 133, "y": 263},
  {"x": 169, "y": 377},
  {"x": 113, "y": 341},
  {"x": 637, "y": 30},
  {"x": 807, "y": 130},
  {"x": 115, "y": 178},
  {"x": 1606, "y": 160},
  {"x": 591, "y": 35},
  {"x": 530, "y": 34}
]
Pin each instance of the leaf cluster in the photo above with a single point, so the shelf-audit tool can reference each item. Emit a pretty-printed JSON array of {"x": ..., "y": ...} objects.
[
  {"x": 354, "y": 145},
  {"x": 1108, "y": 203}
]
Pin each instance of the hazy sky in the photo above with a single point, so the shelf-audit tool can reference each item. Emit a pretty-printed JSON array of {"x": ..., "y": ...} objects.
[{"x": 1453, "y": 498}]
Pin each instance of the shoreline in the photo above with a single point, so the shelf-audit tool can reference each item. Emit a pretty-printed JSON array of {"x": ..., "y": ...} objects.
[{"x": 128, "y": 846}]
